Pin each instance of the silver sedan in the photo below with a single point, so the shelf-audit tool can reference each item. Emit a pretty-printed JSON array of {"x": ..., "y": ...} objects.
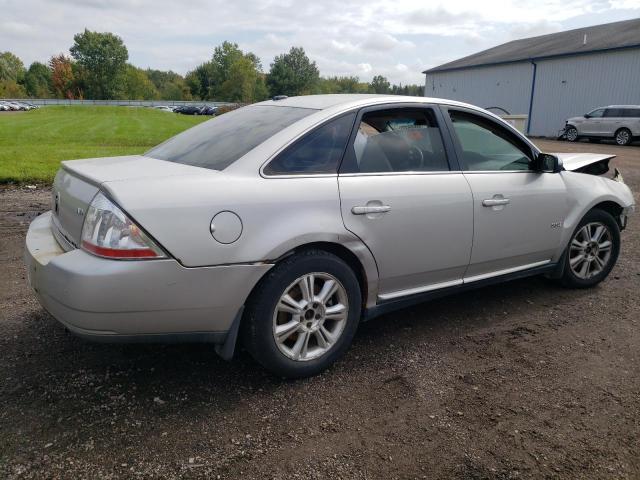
[{"x": 283, "y": 224}]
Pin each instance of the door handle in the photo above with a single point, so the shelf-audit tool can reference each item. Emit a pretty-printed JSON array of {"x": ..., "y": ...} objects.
[
  {"x": 370, "y": 209},
  {"x": 492, "y": 202}
]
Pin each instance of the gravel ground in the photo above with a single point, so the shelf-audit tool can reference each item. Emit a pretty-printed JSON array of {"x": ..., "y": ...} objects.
[{"x": 521, "y": 380}]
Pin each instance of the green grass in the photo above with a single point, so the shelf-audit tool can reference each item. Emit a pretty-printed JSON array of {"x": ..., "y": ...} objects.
[{"x": 32, "y": 144}]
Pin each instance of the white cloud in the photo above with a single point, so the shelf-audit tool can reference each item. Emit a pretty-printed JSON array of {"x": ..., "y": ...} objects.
[{"x": 348, "y": 37}]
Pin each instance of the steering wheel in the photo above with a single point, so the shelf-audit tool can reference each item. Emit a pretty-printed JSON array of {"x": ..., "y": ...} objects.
[{"x": 415, "y": 157}]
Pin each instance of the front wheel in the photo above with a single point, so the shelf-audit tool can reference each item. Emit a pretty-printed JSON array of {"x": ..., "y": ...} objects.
[
  {"x": 303, "y": 315},
  {"x": 623, "y": 137},
  {"x": 572, "y": 134},
  {"x": 592, "y": 251}
]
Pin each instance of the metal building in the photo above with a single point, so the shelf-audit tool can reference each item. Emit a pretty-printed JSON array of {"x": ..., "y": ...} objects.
[{"x": 548, "y": 78}]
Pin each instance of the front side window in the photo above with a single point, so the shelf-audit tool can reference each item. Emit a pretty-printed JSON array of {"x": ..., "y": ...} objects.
[
  {"x": 487, "y": 146},
  {"x": 398, "y": 140},
  {"x": 219, "y": 142},
  {"x": 317, "y": 152},
  {"x": 596, "y": 113}
]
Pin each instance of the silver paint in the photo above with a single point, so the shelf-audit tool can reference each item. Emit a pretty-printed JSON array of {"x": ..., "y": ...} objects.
[{"x": 410, "y": 232}]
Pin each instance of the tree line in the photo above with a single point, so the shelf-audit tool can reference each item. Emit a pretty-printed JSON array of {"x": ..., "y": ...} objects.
[{"x": 97, "y": 68}]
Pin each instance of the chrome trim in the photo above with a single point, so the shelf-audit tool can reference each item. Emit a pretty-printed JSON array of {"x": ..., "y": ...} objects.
[
  {"x": 506, "y": 271},
  {"x": 493, "y": 202},
  {"x": 413, "y": 291},
  {"x": 408, "y": 172},
  {"x": 365, "y": 210},
  {"x": 454, "y": 283},
  {"x": 301, "y": 175},
  {"x": 500, "y": 171}
]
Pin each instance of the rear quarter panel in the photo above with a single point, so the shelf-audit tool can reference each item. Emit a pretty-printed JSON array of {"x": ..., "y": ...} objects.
[{"x": 277, "y": 214}]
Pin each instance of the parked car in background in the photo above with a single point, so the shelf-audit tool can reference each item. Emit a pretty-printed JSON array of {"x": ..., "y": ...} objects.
[
  {"x": 20, "y": 106},
  {"x": 284, "y": 223},
  {"x": 208, "y": 110},
  {"x": 618, "y": 122},
  {"x": 13, "y": 106},
  {"x": 164, "y": 108},
  {"x": 4, "y": 107},
  {"x": 188, "y": 109}
]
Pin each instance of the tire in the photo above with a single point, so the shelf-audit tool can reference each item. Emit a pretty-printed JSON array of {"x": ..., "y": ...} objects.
[
  {"x": 300, "y": 351},
  {"x": 571, "y": 134},
  {"x": 623, "y": 137},
  {"x": 586, "y": 264}
]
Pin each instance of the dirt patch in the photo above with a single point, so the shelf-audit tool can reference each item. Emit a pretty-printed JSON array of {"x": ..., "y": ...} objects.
[{"x": 521, "y": 380}]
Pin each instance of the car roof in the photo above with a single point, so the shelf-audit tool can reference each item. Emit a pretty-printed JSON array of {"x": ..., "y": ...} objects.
[
  {"x": 326, "y": 107},
  {"x": 623, "y": 106},
  {"x": 344, "y": 100}
]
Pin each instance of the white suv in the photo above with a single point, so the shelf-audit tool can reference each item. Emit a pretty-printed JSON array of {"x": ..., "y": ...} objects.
[{"x": 619, "y": 122}]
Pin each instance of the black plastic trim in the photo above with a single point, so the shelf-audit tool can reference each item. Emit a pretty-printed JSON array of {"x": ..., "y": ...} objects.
[{"x": 403, "y": 302}]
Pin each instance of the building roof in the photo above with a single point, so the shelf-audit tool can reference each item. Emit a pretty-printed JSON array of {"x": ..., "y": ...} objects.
[{"x": 610, "y": 36}]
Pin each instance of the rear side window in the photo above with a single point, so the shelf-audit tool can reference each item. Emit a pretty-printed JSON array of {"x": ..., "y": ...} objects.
[
  {"x": 631, "y": 112},
  {"x": 319, "y": 151},
  {"x": 219, "y": 142},
  {"x": 615, "y": 112}
]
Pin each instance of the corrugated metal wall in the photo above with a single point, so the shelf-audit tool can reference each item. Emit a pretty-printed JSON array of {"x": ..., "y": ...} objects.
[
  {"x": 504, "y": 86},
  {"x": 565, "y": 87},
  {"x": 571, "y": 86}
]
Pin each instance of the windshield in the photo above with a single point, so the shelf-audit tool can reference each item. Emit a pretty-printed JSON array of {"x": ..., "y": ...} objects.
[{"x": 219, "y": 142}]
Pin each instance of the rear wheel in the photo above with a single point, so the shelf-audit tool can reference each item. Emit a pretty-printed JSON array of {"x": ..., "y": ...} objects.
[
  {"x": 571, "y": 134},
  {"x": 592, "y": 251},
  {"x": 623, "y": 136},
  {"x": 303, "y": 315}
]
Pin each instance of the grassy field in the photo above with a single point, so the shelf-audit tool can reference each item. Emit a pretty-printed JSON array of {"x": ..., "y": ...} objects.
[{"x": 32, "y": 144}]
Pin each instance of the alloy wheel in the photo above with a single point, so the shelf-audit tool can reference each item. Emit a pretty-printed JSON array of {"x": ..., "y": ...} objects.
[
  {"x": 572, "y": 134},
  {"x": 622, "y": 137},
  {"x": 310, "y": 316},
  {"x": 590, "y": 250}
]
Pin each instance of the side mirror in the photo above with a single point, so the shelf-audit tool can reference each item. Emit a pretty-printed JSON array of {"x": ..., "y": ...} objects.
[
  {"x": 548, "y": 163},
  {"x": 586, "y": 115}
]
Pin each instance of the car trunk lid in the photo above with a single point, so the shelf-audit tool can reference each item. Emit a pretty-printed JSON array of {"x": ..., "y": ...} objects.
[{"x": 78, "y": 181}]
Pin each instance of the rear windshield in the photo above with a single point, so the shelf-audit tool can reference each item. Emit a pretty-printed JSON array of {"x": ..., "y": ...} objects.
[{"x": 219, "y": 142}]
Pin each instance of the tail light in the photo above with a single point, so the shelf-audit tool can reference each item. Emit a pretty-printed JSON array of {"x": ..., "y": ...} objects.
[{"x": 108, "y": 232}]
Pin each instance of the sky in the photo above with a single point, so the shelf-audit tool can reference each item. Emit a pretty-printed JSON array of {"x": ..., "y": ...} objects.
[{"x": 395, "y": 38}]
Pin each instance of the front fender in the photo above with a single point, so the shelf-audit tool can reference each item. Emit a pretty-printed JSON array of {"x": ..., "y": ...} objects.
[{"x": 584, "y": 192}]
